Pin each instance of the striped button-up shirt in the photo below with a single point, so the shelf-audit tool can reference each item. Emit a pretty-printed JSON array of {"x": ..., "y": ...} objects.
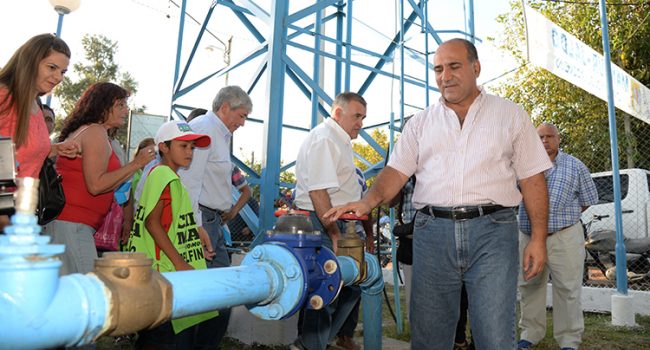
[
  {"x": 477, "y": 164},
  {"x": 570, "y": 188}
]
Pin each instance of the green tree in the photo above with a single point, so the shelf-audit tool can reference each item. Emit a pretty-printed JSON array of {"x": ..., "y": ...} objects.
[
  {"x": 372, "y": 156},
  {"x": 286, "y": 177},
  {"x": 98, "y": 66},
  {"x": 368, "y": 153},
  {"x": 581, "y": 117}
]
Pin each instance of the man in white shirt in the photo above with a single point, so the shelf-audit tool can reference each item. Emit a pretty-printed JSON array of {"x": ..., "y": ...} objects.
[
  {"x": 208, "y": 181},
  {"x": 326, "y": 176},
  {"x": 469, "y": 151}
]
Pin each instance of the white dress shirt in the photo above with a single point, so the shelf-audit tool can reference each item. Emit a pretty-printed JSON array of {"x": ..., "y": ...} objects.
[
  {"x": 325, "y": 161},
  {"x": 477, "y": 164},
  {"x": 208, "y": 177}
]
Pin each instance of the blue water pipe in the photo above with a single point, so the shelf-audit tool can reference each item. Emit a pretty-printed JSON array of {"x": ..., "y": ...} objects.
[
  {"x": 371, "y": 296},
  {"x": 40, "y": 309}
]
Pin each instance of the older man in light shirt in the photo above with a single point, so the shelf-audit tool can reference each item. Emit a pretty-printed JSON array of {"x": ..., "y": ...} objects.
[{"x": 208, "y": 181}]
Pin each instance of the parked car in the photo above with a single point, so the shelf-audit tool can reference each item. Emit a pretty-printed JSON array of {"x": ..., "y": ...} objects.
[{"x": 635, "y": 199}]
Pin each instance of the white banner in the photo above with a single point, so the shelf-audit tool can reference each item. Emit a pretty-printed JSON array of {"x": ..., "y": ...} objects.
[{"x": 561, "y": 53}]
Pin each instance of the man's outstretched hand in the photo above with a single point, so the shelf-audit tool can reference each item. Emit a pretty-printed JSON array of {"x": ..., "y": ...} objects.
[{"x": 359, "y": 208}]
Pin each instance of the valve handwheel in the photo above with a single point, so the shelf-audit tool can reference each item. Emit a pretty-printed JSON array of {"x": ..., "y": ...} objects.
[{"x": 351, "y": 216}]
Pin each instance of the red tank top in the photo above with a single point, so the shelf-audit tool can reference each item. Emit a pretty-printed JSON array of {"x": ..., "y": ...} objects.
[{"x": 80, "y": 205}]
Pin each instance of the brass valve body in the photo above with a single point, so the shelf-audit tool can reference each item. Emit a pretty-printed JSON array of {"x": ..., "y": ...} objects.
[{"x": 140, "y": 298}]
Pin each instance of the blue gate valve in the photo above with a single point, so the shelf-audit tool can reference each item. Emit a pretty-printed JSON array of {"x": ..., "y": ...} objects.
[{"x": 324, "y": 281}]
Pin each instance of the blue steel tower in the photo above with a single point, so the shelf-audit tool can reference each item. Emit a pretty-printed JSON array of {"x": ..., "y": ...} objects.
[{"x": 320, "y": 48}]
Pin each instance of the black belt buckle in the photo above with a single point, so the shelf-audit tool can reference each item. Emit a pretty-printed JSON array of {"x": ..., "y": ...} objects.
[{"x": 460, "y": 213}]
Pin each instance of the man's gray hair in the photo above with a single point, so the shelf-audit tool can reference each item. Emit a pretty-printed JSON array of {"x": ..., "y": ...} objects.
[
  {"x": 550, "y": 125},
  {"x": 344, "y": 98},
  {"x": 234, "y": 96}
]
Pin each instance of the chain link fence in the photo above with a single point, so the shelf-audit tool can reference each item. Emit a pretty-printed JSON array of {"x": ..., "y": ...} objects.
[{"x": 600, "y": 227}]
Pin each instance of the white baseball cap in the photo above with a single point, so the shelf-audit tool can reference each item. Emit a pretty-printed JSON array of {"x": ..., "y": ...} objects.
[{"x": 180, "y": 130}]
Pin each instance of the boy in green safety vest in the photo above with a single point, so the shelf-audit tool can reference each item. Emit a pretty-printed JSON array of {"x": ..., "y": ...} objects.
[{"x": 164, "y": 228}]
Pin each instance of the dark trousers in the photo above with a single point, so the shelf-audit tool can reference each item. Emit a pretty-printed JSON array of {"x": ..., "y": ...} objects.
[
  {"x": 163, "y": 338},
  {"x": 350, "y": 324},
  {"x": 210, "y": 333},
  {"x": 461, "y": 327}
]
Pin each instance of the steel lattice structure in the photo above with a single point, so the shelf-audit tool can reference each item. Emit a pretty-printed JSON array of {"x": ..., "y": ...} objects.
[{"x": 321, "y": 33}]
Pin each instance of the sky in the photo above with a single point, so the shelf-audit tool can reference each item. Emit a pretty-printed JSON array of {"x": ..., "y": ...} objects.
[{"x": 147, "y": 35}]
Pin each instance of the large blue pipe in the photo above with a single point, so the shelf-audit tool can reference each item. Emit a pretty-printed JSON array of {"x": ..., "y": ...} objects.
[{"x": 39, "y": 309}]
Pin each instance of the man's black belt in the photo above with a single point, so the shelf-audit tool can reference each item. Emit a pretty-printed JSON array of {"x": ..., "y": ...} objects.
[
  {"x": 217, "y": 211},
  {"x": 461, "y": 213}
]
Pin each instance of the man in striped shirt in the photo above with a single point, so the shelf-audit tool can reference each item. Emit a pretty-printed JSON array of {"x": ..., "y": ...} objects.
[
  {"x": 571, "y": 191},
  {"x": 469, "y": 151}
]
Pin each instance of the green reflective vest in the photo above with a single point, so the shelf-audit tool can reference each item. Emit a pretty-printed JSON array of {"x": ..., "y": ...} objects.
[{"x": 183, "y": 232}]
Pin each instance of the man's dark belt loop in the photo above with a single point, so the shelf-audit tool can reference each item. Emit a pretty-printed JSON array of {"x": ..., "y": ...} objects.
[{"x": 461, "y": 213}]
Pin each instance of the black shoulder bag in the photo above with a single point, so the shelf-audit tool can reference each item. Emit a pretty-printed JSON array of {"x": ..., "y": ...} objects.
[
  {"x": 51, "y": 198},
  {"x": 404, "y": 233}
]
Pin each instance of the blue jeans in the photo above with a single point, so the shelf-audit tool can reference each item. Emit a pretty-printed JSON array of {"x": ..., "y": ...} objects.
[
  {"x": 212, "y": 224},
  {"x": 483, "y": 254},
  {"x": 209, "y": 333},
  {"x": 317, "y": 327}
]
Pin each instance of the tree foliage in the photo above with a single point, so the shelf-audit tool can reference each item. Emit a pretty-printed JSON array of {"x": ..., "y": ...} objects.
[
  {"x": 581, "y": 117},
  {"x": 368, "y": 153},
  {"x": 98, "y": 66},
  {"x": 286, "y": 177}
]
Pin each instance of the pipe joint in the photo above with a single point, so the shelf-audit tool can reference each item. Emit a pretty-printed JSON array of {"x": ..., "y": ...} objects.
[
  {"x": 374, "y": 281},
  {"x": 353, "y": 246},
  {"x": 139, "y": 297}
]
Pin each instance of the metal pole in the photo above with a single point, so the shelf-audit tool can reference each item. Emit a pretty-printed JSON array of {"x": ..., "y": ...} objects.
[
  {"x": 348, "y": 51},
  {"x": 470, "y": 21},
  {"x": 179, "y": 45},
  {"x": 426, "y": 57},
  {"x": 317, "y": 70},
  {"x": 59, "y": 25},
  {"x": 273, "y": 128},
  {"x": 393, "y": 243},
  {"x": 339, "y": 49},
  {"x": 621, "y": 264}
]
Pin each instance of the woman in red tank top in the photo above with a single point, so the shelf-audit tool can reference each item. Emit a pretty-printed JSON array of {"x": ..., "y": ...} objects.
[{"x": 90, "y": 179}]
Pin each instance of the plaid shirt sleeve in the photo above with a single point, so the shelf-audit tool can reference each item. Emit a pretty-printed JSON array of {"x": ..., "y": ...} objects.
[
  {"x": 588, "y": 194},
  {"x": 570, "y": 188},
  {"x": 408, "y": 211}
]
